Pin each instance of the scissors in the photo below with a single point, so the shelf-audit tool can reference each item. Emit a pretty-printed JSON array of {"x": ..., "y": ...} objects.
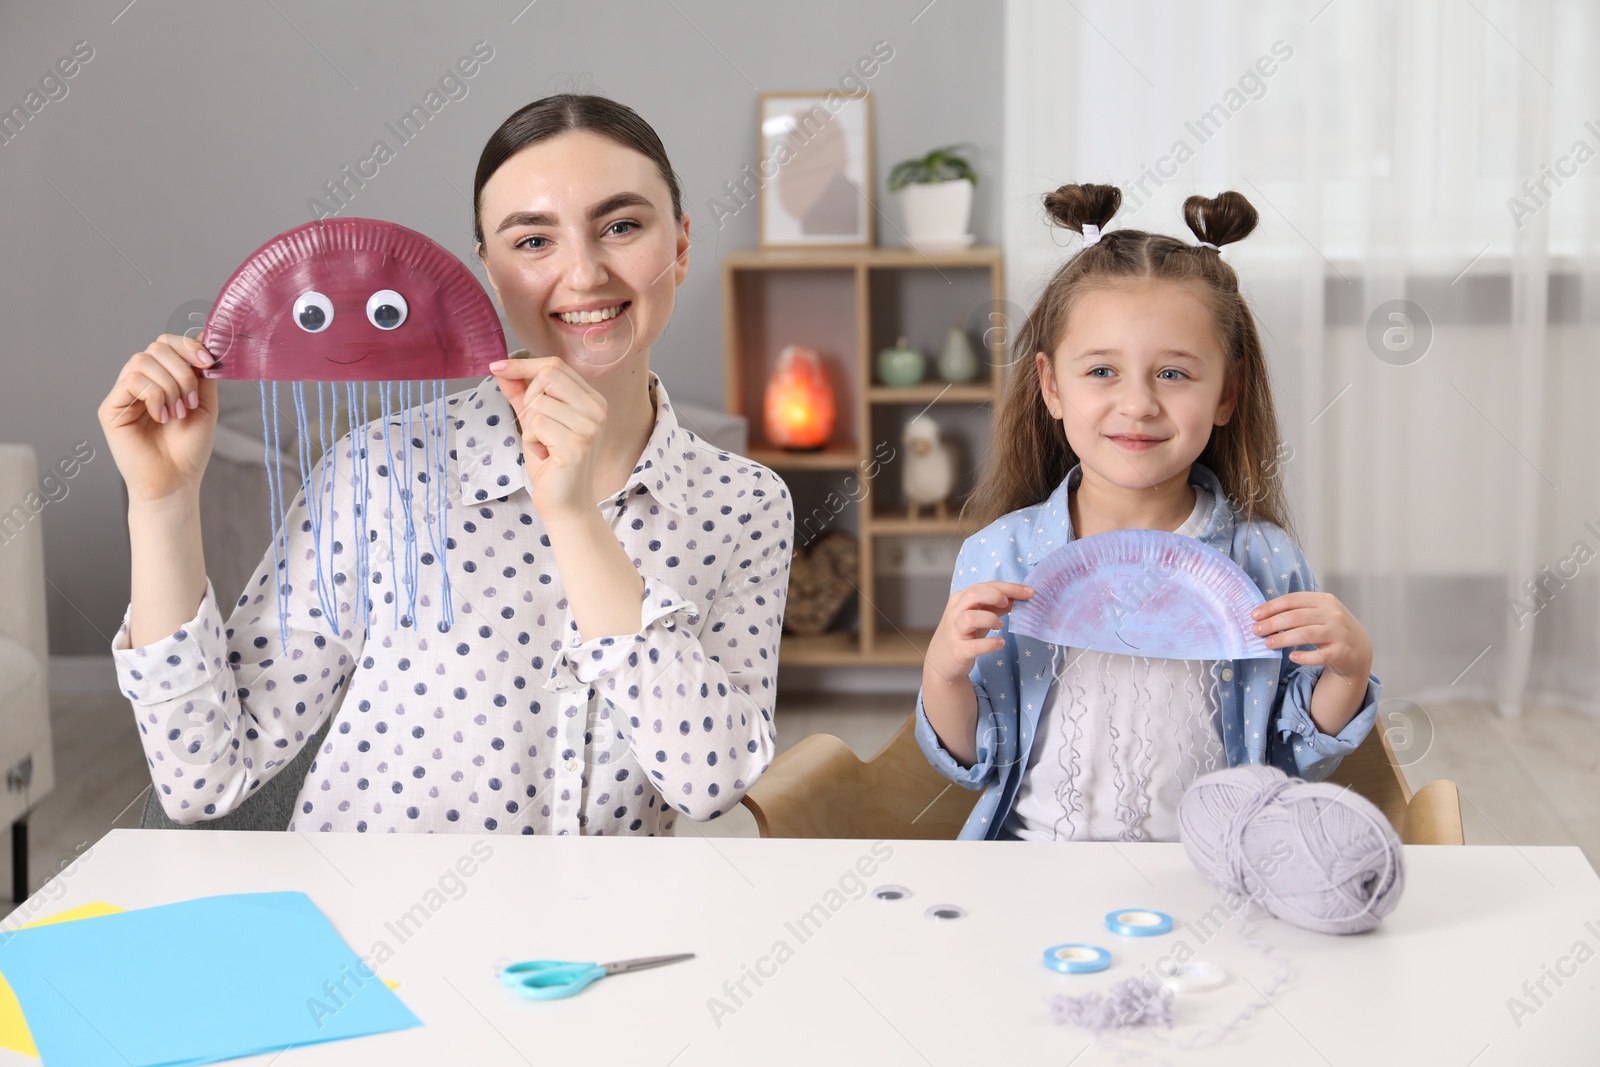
[{"x": 552, "y": 979}]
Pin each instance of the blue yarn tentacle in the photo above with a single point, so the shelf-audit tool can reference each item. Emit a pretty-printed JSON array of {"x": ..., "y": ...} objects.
[
  {"x": 314, "y": 494},
  {"x": 330, "y": 479},
  {"x": 388, "y": 450},
  {"x": 358, "y": 533},
  {"x": 426, "y": 470},
  {"x": 437, "y": 501},
  {"x": 405, "y": 498},
  {"x": 310, "y": 500},
  {"x": 363, "y": 477},
  {"x": 280, "y": 512},
  {"x": 369, "y": 534},
  {"x": 269, "y": 455},
  {"x": 444, "y": 502}
]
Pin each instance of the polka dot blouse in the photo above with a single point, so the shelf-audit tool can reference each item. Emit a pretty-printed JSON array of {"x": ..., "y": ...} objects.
[{"x": 503, "y": 719}]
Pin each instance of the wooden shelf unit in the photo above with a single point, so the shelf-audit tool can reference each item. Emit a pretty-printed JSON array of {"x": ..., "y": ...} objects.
[
  {"x": 848, "y": 304},
  {"x": 938, "y": 393}
]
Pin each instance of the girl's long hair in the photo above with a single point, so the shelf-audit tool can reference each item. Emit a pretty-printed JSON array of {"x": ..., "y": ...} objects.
[{"x": 1031, "y": 455}]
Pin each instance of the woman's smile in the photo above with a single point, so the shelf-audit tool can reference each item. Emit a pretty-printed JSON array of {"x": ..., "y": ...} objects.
[{"x": 585, "y": 320}]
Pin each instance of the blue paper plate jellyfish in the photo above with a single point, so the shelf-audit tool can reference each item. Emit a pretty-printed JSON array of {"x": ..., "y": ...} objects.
[{"x": 1143, "y": 624}]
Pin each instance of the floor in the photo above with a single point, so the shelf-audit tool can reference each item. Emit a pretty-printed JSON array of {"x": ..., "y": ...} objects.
[{"x": 1526, "y": 781}]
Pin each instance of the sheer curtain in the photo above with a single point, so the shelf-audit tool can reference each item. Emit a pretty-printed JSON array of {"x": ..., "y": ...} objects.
[{"x": 1426, "y": 275}]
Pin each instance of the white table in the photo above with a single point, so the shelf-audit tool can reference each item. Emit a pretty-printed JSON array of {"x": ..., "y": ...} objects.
[{"x": 875, "y": 982}]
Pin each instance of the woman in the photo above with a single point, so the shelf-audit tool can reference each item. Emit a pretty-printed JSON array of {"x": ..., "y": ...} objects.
[{"x": 611, "y": 664}]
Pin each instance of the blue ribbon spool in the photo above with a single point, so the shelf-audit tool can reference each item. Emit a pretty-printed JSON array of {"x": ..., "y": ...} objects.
[
  {"x": 1138, "y": 922},
  {"x": 1077, "y": 959}
]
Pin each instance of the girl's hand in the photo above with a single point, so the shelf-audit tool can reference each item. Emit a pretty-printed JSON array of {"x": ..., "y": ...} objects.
[
  {"x": 159, "y": 419},
  {"x": 1342, "y": 644},
  {"x": 562, "y": 419},
  {"x": 963, "y": 632}
]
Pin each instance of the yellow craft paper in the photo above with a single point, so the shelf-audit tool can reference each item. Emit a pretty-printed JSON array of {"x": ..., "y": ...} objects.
[{"x": 14, "y": 1033}]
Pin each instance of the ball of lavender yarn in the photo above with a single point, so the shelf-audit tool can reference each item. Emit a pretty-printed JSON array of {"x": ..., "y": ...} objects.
[{"x": 1314, "y": 854}]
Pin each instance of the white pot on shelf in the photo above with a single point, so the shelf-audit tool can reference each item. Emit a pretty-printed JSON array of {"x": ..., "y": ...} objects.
[{"x": 937, "y": 213}]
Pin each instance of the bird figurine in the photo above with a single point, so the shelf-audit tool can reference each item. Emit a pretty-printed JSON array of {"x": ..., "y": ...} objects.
[{"x": 929, "y": 474}]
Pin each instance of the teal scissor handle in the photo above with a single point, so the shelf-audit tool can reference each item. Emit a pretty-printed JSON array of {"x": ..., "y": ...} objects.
[
  {"x": 550, "y": 979},
  {"x": 553, "y": 979}
]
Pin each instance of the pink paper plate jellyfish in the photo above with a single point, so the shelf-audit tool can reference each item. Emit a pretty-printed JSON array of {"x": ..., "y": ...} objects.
[{"x": 356, "y": 301}]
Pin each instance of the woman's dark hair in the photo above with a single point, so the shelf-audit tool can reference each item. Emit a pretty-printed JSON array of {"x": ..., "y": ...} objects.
[
  {"x": 1031, "y": 454},
  {"x": 554, "y": 115}
]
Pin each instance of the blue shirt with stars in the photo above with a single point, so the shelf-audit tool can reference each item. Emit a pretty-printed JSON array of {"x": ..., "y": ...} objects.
[{"x": 1265, "y": 702}]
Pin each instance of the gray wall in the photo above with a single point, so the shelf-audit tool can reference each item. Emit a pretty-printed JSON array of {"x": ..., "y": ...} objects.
[{"x": 198, "y": 130}]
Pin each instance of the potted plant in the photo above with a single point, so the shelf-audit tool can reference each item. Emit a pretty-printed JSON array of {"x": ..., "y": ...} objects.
[{"x": 936, "y": 196}]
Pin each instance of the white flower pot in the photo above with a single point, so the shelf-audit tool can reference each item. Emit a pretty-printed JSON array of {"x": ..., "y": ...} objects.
[{"x": 937, "y": 213}]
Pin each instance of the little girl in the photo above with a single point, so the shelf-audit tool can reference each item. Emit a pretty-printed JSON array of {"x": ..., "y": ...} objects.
[{"x": 1150, "y": 408}]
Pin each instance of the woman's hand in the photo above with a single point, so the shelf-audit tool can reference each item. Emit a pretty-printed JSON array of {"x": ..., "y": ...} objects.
[
  {"x": 963, "y": 632},
  {"x": 562, "y": 420},
  {"x": 159, "y": 420},
  {"x": 1319, "y": 619}
]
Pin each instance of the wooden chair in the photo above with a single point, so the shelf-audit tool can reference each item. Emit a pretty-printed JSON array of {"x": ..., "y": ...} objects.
[
  {"x": 819, "y": 788},
  {"x": 1430, "y": 817}
]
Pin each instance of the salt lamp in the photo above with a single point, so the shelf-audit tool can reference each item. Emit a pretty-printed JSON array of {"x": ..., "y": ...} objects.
[{"x": 799, "y": 402}]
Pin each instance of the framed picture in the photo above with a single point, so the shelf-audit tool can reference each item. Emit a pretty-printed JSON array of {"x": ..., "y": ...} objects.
[{"x": 816, "y": 169}]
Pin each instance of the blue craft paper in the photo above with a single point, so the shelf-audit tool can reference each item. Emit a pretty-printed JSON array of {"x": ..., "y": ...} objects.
[{"x": 193, "y": 982}]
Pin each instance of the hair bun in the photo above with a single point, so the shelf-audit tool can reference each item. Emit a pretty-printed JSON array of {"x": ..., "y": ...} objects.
[
  {"x": 1222, "y": 219},
  {"x": 1077, "y": 206}
]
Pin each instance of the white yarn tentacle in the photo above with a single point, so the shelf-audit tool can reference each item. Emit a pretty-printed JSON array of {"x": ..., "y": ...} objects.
[
  {"x": 1143, "y": 801},
  {"x": 1068, "y": 671},
  {"x": 1218, "y": 759}
]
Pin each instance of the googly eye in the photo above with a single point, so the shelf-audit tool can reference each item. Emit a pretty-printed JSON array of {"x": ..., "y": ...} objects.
[
  {"x": 313, "y": 312},
  {"x": 386, "y": 309},
  {"x": 891, "y": 892},
  {"x": 943, "y": 913}
]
